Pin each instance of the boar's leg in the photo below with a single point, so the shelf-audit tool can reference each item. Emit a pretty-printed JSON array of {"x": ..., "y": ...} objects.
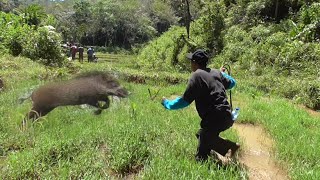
[
  {"x": 35, "y": 113},
  {"x": 105, "y": 106},
  {"x": 107, "y": 103},
  {"x": 98, "y": 111},
  {"x": 97, "y": 105}
]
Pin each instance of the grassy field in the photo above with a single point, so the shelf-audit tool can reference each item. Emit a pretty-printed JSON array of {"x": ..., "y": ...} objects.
[{"x": 136, "y": 138}]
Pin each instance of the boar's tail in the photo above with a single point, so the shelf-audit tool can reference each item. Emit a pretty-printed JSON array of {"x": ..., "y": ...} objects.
[{"x": 24, "y": 97}]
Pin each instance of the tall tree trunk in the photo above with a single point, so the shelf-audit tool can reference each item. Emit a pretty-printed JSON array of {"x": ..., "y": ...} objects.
[
  {"x": 188, "y": 18},
  {"x": 276, "y": 11}
]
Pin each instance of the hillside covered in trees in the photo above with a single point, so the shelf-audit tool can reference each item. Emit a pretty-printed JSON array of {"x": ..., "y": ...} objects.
[{"x": 275, "y": 41}]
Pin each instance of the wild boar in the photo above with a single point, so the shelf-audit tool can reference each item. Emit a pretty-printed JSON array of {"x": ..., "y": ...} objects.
[{"x": 88, "y": 88}]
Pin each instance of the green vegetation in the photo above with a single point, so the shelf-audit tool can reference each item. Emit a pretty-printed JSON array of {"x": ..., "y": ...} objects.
[
  {"x": 272, "y": 47},
  {"x": 165, "y": 53},
  {"x": 283, "y": 57},
  {"x": 126, "y": 140},
  {"x": 20, "y": 36},
  {"x": 130, "y": 140}
]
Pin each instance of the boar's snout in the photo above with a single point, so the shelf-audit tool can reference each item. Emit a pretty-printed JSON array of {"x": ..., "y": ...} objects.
[{"x": 122, "y": 92}]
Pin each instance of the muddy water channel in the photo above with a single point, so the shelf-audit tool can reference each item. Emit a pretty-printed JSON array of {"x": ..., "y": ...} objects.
[{"x": 256, "y": 155}]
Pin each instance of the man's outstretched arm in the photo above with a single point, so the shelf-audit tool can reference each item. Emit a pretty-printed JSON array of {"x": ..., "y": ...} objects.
[{"x": 174, "y": 104}]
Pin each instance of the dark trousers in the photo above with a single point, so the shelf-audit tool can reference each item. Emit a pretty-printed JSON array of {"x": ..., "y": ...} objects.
[
  {"x": 90, "y": 58},
  {"x": 73, "y": 56},
  {"x": 209, "y": 139},
  {"x": 80, "y": 57}
]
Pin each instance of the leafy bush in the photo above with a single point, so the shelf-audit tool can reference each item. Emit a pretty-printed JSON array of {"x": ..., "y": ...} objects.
[
  {"x": 48, "y": 49},
  {"x": 15, "y": 37},
  {"x": 280, "y": 65},
  {"x": 308, "y": 27},
  {"x": 205, "y": 33},
  {"x": 44, "y": 46},
  {"x": 309, "y": 14},
  {"x": 312, "y": 95},
  {"x": 163, "y": 52},
  {"x": 254, "y": 10},
  {"x": 236, "y": 43},
  {"x": 267, "y": 51},
  {"x": 39, "y": 44},
  {"x": 33, "y": 15},
  {"x": 297, "y": 57},
  {"x": 235, "y": 15},
  {"x": 209, "y": 26},
  {"x": 13, "y": 33}
]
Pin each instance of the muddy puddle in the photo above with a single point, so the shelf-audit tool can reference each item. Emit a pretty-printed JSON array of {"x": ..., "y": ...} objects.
[{"x": 256, "y": 154}]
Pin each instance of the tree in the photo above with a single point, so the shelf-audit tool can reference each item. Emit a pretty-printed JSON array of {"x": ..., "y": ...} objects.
[
  {"x": 82, "y": 19},
  {"x": 188, "y": 17},
  {"x": 210, "y": 25},
  {"x": 33, "y": 15},
  {"x": 8, "y": 5},
  {"x": 161, "y": 13},
  {"x": 120, "y": 23}
]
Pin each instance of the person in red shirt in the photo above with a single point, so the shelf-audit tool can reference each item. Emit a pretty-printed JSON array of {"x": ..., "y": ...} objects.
[{"x": 74, "y": 50}]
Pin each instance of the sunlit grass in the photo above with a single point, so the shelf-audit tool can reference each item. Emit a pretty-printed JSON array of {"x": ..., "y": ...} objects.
[
  {"x": 137, "y": 137},
  {"x": 126, "y": 138}
]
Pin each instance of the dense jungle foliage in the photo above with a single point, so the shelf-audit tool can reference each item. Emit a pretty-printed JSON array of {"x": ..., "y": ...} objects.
[
  {"x": 276, "y": 42},
  {"x": 280, "y": 50}
]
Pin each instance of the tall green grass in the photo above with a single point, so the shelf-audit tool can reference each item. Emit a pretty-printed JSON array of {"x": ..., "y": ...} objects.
[
  {"x": 126, "y": 139},
  {"x": 136, "y": 137}
]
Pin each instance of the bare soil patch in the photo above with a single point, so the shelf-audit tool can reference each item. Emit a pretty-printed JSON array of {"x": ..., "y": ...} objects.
[
  {"x": 256, "y": 154},
  {"x": 313, "y": 113}
]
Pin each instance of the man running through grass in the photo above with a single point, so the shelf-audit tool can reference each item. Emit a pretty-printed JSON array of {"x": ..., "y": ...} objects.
[{"x": 207, "y": 87}]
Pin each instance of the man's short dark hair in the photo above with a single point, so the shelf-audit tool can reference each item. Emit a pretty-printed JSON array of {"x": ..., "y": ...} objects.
[{"x": 200, "y": 56}]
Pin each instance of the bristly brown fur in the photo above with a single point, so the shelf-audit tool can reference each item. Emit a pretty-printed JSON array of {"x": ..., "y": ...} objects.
[
  {"x": 91, "y": 74},
  {"x": 86, "y": 88}
]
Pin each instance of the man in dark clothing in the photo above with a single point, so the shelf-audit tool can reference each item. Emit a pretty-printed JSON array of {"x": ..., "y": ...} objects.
[
  {"x": 80, "y": 49},
  {"x": 90, "y": 53},
  {"x": 207, "y": 87}
]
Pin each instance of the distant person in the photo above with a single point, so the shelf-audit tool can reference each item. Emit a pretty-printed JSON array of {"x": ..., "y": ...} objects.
[
  {"x": 207, "y": 87},
  {"x": 1, "y": 84},
  {"x": 74, "y": 51},
  {"x": 69, "y": 50},
  {"x": 65, "y": 49},
  {"x": 95, "y": 58},
  {"x": 90, "y": 53},
  {"x": 80, "y": 50}
]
